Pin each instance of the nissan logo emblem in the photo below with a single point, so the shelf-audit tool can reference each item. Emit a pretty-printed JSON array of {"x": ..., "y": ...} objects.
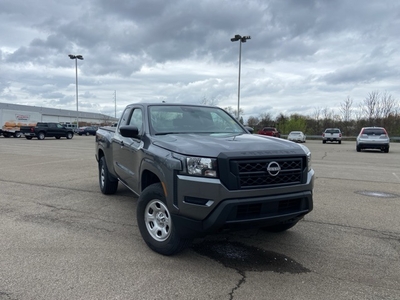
[{"x": 273, "y": 168}]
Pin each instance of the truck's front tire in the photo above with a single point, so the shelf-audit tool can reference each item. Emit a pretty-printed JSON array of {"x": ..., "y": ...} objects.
[
  {"x": 108, "y": 186},
  {"x": 155, "y": 222}
]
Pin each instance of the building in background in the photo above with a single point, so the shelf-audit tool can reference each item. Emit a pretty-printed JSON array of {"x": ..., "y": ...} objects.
[{"x": 12, "y": 116}]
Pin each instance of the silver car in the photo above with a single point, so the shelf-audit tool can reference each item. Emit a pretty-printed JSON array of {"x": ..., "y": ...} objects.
[{"x": 373, "y": 138}]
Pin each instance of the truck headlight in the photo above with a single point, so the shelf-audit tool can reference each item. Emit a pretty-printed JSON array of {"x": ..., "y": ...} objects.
[
  {"x": 308, "y": 153},
  {"x": 201, "y": 166}
]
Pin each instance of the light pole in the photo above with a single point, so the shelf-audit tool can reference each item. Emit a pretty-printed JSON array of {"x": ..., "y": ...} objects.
[
  {"x": 241, "y": 39},
  {"x": 76, "y": 57}
]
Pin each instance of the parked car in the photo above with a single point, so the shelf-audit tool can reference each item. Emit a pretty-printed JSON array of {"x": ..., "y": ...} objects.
[
  {"x": 297, "y": 136},
  {"x": 271, "y": 131},
  {"x": 373, "y": 138},
  {"x": 89, "y": 130},
  {"x": 332, "y": 135}
]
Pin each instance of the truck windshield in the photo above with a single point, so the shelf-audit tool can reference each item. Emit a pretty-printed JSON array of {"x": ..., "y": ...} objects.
[{"x": 175, "y": 119}]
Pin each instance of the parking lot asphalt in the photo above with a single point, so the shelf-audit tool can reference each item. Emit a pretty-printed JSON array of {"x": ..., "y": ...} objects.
[{"x": 60, "y": 238}]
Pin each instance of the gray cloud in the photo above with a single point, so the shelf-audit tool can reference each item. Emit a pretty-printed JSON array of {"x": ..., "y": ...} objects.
[{"x": 302, "y": 54}]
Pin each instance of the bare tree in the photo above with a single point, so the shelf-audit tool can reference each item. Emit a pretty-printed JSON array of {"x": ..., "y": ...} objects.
[
  {"x": 209, "y": 101},
  {"x": 266, "y": 119},
  {"x": 388, "y": 105},
  {"x": 371, "y": 106},
  {"x": 346, "y": 110},
  {"x": 253, "y": 121}
]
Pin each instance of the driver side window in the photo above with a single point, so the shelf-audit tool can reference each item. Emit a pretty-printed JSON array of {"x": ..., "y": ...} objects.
[{"x": 137, "y": 119}]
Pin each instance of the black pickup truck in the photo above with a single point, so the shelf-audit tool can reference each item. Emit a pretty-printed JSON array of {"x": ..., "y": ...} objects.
[
  {"x": 197, "y": 171},
  {"x": 43, "y": 130}
]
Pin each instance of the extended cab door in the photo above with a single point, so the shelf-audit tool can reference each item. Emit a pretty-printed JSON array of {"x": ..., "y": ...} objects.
[{"x": 127, "y": 151}]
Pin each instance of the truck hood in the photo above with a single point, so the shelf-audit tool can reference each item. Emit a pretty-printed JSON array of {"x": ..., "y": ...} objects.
[{"x": 211, "y": 145}]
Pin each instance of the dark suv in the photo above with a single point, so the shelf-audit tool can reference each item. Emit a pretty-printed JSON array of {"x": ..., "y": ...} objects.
[{"x": 373, "y": 138}]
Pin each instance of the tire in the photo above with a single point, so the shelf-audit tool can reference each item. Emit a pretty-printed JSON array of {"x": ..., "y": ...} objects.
[
  {"x": 155, "y": 222},
  {"x": 280, "y": 227},
  {"x": 58, "y": 137},
  {"x": 28, "y": 137},
  {"x": 358, "y": 148},
  {"x": 323, "y": 142},
  {"x": 17, "y": 134},
  {"x": 107, "y": 184},
  {"x": 339, "y": 142},
  {"x": 386, "y": 150},
  {"x": 41, "y": 136},
  {"x": 70, "y": 135},
  {"x": 87, "y": 133}
]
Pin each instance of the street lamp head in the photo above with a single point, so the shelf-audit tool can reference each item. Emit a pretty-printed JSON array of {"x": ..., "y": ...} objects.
[
  {"x": 245, "y": 38},
  {"x": 236, "y": 38},
  {"x": 71, "y": 56}
]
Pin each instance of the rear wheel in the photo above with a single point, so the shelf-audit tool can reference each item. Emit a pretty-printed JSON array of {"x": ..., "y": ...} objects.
[
  {"x": 323, "y": 142},
  {"x": 41, "y": 136},
  {"x": 108, "y": 185},
  {"x": 358, "y": 148},
  {"x": 339, "y": 142},
  {"x": 155, "y": 222}
]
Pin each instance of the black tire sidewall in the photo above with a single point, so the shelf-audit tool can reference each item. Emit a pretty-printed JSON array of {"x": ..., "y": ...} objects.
[
  {"x": 174, "y": 244},
  {"x": 109, "y": 186}
]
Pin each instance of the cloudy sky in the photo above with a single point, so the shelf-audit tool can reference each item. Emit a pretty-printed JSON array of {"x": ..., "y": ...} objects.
[{"x": 302, "y": 55}]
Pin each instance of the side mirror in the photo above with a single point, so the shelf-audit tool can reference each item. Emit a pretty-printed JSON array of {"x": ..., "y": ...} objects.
[{"x": 129, "y": 131}]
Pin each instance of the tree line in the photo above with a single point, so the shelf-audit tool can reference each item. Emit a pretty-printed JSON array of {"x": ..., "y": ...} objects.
[{"x": 377, "y": 109}]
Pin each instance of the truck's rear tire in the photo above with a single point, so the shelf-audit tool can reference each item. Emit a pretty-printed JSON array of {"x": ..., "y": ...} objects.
[
  {"x": 41, "y": 136},
  {"x": 155, "y": 222},
  {"x": 107, "y": 184}
]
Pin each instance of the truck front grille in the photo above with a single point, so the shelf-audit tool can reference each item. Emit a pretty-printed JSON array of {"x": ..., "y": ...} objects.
[{"x": 255, "y": 174}]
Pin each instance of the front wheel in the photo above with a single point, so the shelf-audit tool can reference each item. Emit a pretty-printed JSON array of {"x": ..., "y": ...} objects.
[
  {"x": 107, "y": 184},
  {"x": 69, "y": 135},
  {"x": 155, "y": 222}
]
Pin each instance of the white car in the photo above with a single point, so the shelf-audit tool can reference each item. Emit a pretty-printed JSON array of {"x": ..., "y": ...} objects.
[{"x": 297, "y": 136}]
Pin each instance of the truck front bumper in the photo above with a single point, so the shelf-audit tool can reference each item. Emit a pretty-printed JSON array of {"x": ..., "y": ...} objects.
[{"x": 205, "y": 206}]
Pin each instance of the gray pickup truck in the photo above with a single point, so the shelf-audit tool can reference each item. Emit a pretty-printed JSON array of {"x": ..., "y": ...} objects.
[{"x": 197, "y": 171}]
